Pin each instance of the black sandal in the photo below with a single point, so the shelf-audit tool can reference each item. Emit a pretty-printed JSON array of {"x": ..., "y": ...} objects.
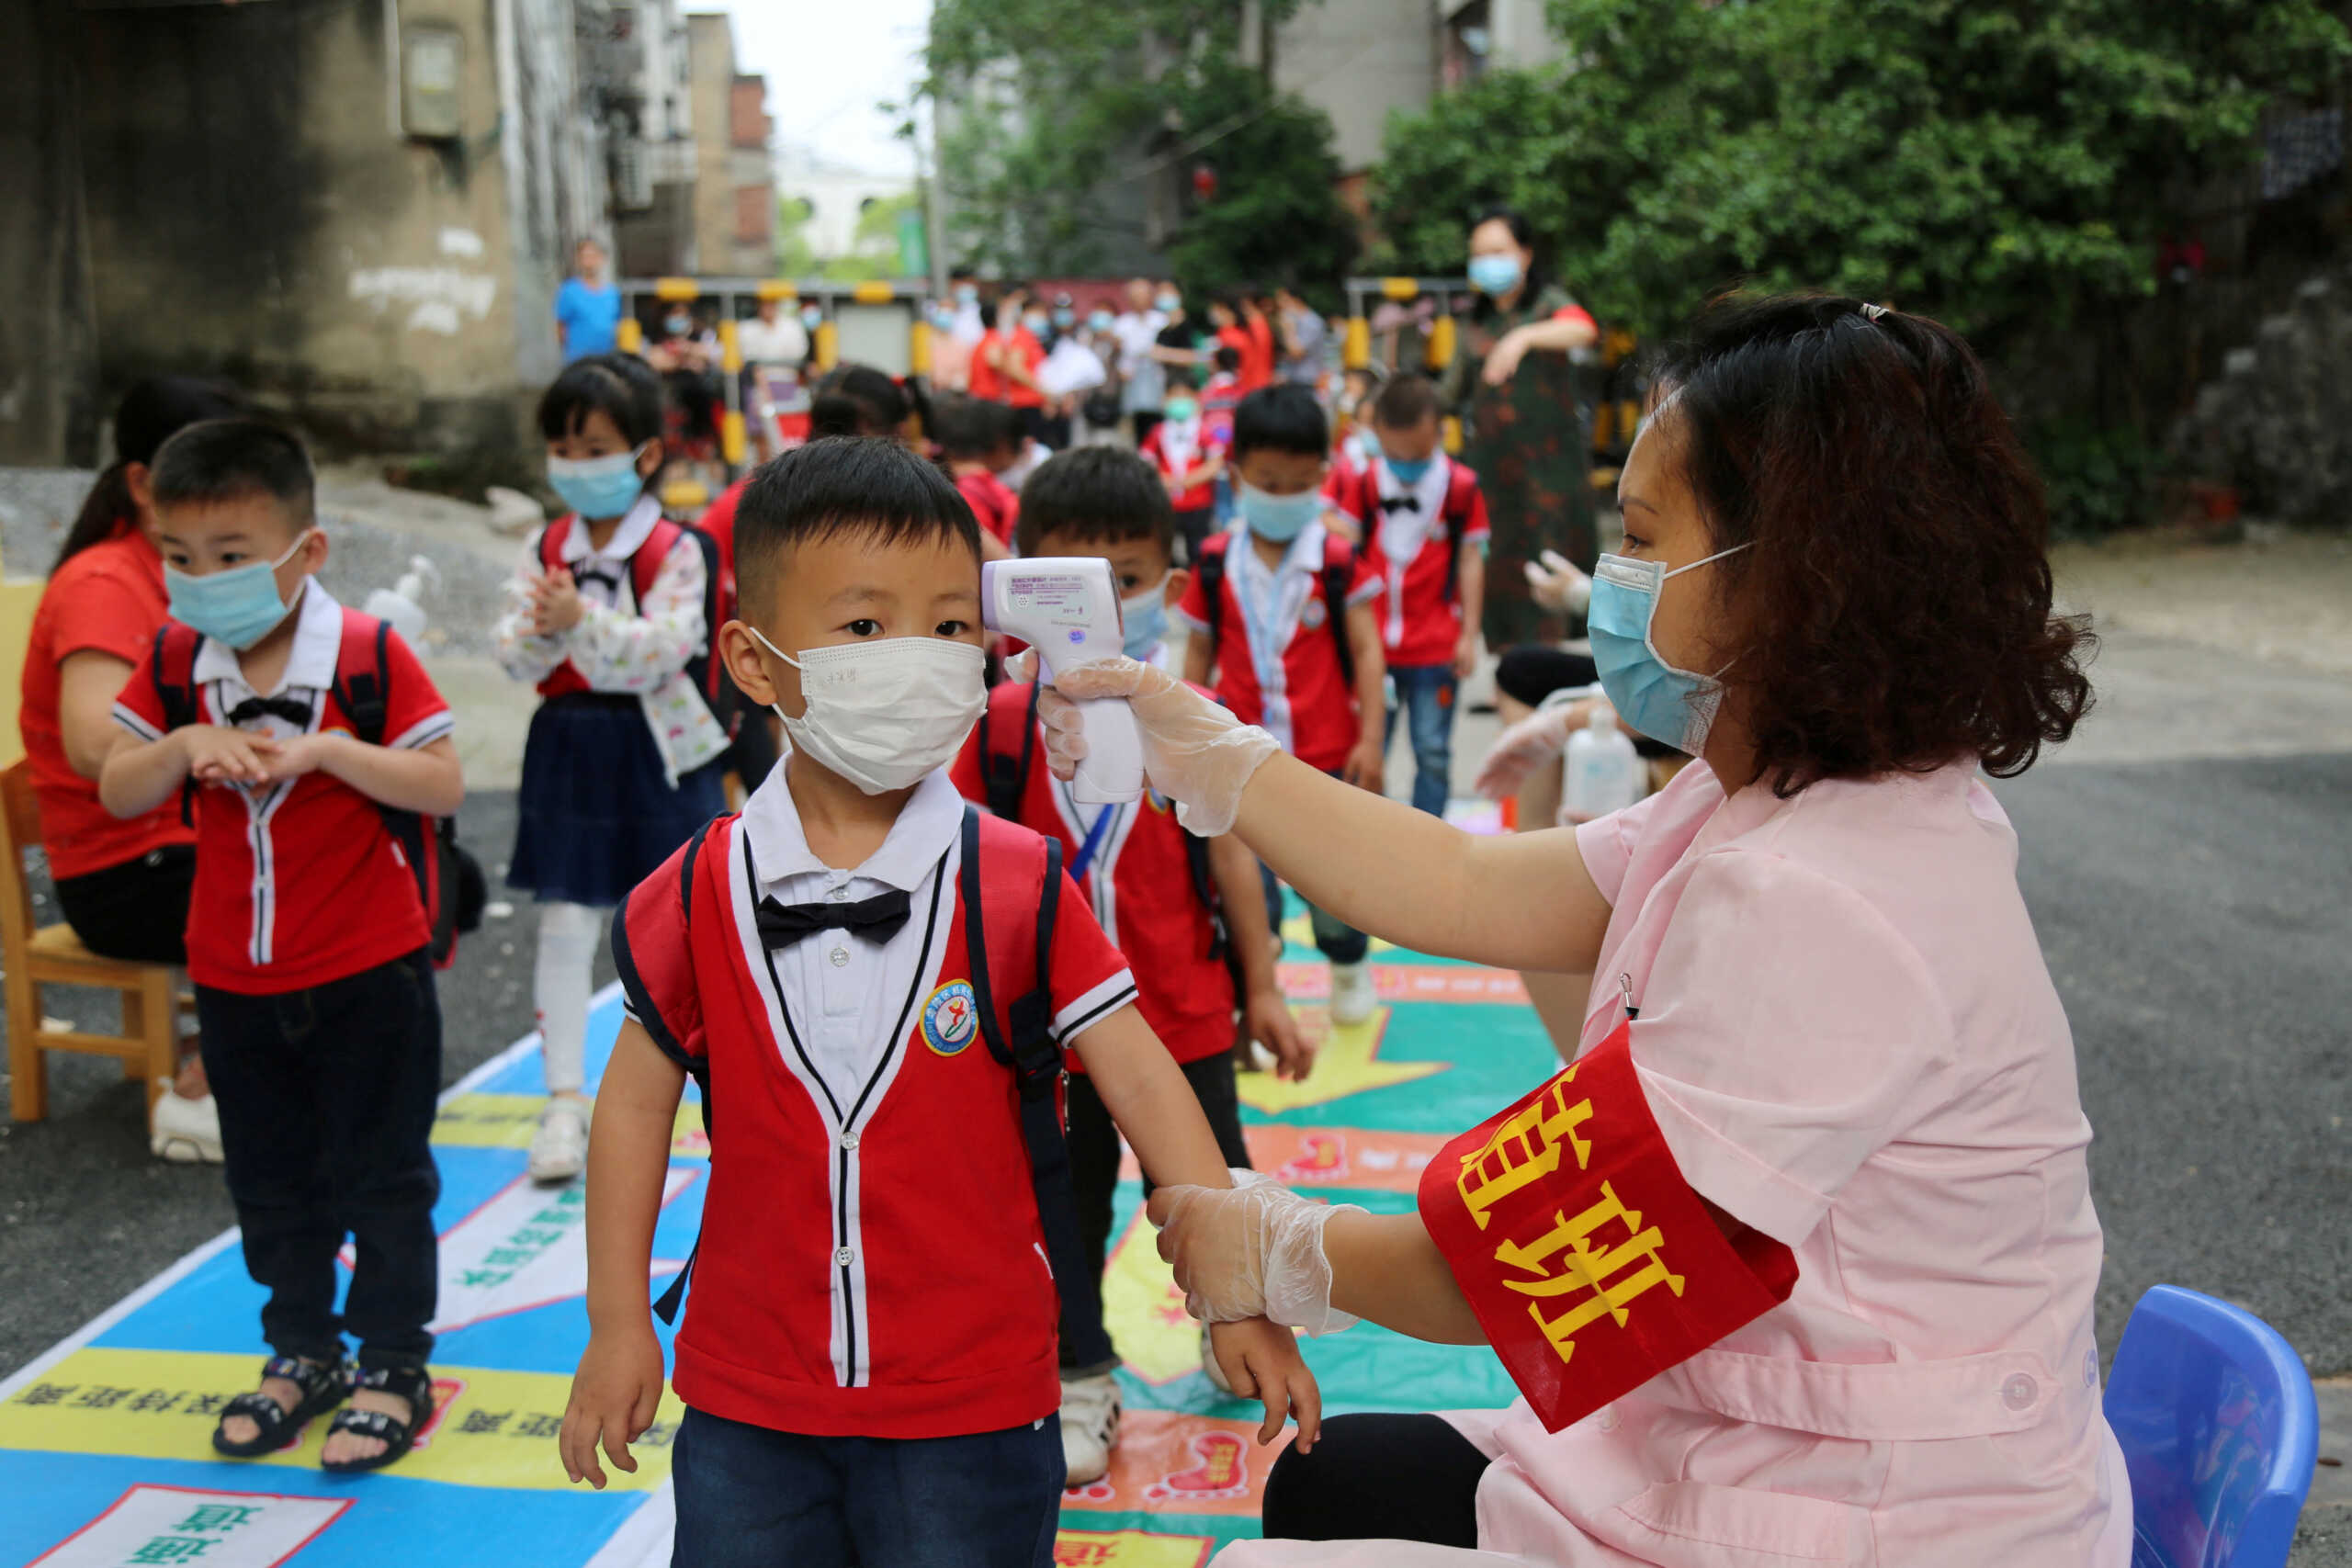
[
  {"x": 324, "y": 1386},
  {"x": 411, "y": 1383}
]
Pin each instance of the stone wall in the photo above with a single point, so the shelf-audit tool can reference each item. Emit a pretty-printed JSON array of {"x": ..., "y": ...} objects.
[{"x": 2277, "y": 423}]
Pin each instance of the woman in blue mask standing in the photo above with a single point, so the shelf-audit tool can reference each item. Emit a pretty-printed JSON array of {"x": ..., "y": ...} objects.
[
  {"x": 1526, "y": 419},
  {"x": 1797, "y": 1260},
  {"x": 608, "y": 613}
]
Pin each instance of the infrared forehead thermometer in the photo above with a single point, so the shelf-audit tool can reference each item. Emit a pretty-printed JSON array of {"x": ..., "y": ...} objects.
[{"x": 1066, "y": 608}]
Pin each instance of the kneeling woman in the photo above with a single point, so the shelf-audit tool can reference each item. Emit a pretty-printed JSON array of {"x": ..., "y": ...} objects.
[{"x": 1795, "y": 1263}]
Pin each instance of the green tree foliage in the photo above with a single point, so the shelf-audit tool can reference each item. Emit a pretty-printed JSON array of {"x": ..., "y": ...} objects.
[
  {"x": 2009, "y": 166},
  {"x": 1043, "y": 104}
]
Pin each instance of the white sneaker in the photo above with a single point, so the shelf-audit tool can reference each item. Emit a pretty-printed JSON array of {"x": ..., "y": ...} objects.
[
  {"x": 559, "y": 1148},
  {"x": 1090, "y": 1426},
  {"x": 1217, "y": 1379},
  {"x": 1256, "y": 1059},
  {"x": 184, "y": 1131},
  {"x": 1352, "y": 997}
]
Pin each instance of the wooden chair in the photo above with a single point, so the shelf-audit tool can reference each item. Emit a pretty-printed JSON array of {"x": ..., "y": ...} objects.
[{"x": 53, "y": 955}]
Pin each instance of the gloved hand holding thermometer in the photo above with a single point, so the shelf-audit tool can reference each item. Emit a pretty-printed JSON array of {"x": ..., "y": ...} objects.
[{"x": 1066, "y": 608}]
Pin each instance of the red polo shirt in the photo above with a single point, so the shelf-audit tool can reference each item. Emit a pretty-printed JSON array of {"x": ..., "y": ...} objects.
[
  {"x": 297, "y": 882},
  {"x": 1411, "y": 534}
]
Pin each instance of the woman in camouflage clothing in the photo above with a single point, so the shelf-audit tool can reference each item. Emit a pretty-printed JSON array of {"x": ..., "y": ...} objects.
[{"x": 1526, "y": 421}]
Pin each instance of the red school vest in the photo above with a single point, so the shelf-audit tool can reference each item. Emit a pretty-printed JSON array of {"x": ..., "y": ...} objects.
[{"x": 872, "y": 1265}]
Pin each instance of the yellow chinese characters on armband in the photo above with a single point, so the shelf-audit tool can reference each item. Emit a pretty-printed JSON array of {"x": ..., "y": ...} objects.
[{"x": 1570, "y": 1227}]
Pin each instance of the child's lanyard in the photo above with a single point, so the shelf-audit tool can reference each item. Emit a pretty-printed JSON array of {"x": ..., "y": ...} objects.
[{"x": 1085, "y": 856}]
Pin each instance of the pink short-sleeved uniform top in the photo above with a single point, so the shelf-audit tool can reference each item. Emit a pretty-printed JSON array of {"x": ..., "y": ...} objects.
[{"x": 1849, "y": 1040}]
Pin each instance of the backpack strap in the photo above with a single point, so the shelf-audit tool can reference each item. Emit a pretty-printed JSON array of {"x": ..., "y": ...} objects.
[
  {"x": 1338, "y": 566},
  {"x": 1211, "y": 571},
  {"x": 1004, "y": 770},
  {"x": 551, "y": 542},
  {"x": 1026, "y": 1046},
  {"x": 363, "y": 675},
  {"x": 645, "y": 568},
  {"x": 674, "y": 1295},
  {"x": 1460, "y": 490},
  {"x": 173, "y": 667}
]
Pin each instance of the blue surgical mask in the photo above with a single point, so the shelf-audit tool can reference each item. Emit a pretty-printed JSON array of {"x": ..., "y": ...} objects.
[
  {"x": 942, "y": 319},
  {"x": 1666, "y": 703},
  {"x": 680, "y": 326},
  {"x": 1100, "y": 321},
  {"x": 1494, "y": 274},
  {"x": 1168, "y": 304},
  {"x": 967, "y": 294},
  {"x": 1143, "y": 620},
  {"x": 1034, "y": 322},
  {"x": 1180, "y": 409},
  {"x": 813, "y": 318},
  {"x": 238, "y": 606},
  {"x": 1063, "y": 318},
  {"x": 598, "y": 487},
  {"x": 1279, "y": 518},
  {"x": 1408, "y": 473}
]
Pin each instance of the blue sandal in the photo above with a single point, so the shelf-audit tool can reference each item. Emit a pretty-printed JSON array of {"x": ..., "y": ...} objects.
[
  {"x": 324, "y": 1386},
  {"x": 411, "y": 1383}
]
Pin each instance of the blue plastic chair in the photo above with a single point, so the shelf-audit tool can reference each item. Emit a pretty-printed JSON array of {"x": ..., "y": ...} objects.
[{"x": 2220, "y": 1428}]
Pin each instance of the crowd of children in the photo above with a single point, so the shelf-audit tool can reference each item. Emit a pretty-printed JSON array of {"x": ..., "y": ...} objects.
[{"x": 908, "y": 882}]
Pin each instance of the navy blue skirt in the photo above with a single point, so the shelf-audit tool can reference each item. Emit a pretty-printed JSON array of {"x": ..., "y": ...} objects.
[{"x": 596, "y": 816}]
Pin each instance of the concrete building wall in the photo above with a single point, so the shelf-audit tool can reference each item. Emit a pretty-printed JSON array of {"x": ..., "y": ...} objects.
[
  {"x": 49, "y": 394},
  {"x": 1356, "y": 60},
  {"x": 710, "y": 96},
  {"x": 256, "y": 210}
]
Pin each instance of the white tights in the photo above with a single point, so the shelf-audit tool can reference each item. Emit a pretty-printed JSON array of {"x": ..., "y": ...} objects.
[{"x": 559, "y": 991}]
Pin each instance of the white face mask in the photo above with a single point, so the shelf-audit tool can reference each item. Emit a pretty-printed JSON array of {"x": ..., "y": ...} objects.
[{"x": 883, "y": 714}]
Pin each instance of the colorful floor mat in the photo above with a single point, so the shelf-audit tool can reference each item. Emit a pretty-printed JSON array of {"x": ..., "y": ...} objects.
[{"x": 104, "y": 1460}]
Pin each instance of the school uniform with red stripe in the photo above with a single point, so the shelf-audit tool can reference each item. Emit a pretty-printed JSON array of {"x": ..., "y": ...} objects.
[
  {"x": 1412, "y": 538},
  {"x": 872, "y": 1260},
  {"x": 1140, "y": 884},
  {"x": 1277, "y": 664},
  {"x": 298, "y": 882}
]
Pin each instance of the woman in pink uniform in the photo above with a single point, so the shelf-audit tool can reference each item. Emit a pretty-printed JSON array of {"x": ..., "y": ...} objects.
[{"x": 1795, "y": 1263}]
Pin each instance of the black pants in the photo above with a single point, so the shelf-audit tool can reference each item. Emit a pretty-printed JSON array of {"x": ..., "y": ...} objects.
[
  {"x": 136, "y": 911},
  {"x": 1378, "y": 1477},
  {"x": 1095, "y": 1171},
  {"x": 326, "y": 1101}
]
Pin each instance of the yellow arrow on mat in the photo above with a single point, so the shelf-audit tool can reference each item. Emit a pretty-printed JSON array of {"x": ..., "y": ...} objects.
[{"x": 1348, "y": 1063}]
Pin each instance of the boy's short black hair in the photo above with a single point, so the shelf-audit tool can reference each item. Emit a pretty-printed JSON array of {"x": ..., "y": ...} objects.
[
  {"x": 1096, "y": 496},
  {"x": 858, "y": 400},
  {"x": 1183, "y": 379},
  {"x": 1228, "y": 358},
  {"x": 1281, "y": 418},
  {"x": 842, "y": 484},
  {"x": 232, "y": 459},
  {"x": 620, "y": 386},
  {"x": 1404, "y": 401},
  {"x": 968, "y": 429}
]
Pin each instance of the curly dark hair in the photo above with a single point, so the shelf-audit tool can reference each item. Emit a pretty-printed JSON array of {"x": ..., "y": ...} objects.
[{"x": 1901, "y": 569}]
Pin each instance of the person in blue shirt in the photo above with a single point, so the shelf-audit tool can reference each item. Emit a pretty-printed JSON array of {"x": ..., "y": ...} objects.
[{"x": 588, "y": 306}]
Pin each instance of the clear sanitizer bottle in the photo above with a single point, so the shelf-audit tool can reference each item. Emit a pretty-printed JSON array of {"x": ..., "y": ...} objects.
[{"x": 1603, "y": 773}]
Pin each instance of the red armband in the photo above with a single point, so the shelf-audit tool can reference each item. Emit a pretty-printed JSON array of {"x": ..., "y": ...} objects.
[{"x": 1591, "y": 1264}]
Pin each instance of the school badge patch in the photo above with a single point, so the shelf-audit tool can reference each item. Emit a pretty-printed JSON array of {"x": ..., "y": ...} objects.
[{"x": 951, "y": 1018}]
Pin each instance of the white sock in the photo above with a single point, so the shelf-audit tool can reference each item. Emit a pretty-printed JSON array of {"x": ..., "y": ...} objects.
[{"x": 559, "y": 991}]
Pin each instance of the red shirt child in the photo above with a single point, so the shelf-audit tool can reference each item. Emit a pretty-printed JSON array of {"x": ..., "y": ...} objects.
[
  {"x": 297, "y": 882},
  {"x": 1186, "y": 448},
  {"x": 1425, "y": 541}
]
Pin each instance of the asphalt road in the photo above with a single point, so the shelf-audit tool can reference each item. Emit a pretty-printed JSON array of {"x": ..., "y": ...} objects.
[{"x": 2195, "y": 917}]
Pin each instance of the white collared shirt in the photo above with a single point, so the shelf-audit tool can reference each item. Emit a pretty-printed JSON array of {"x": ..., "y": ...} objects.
[
  {"x": 849, "y": 998},
  {"x": 1272, "y": 599}
]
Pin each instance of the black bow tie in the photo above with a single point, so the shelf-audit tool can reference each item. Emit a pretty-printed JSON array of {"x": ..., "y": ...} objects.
[
  {"x": 583, "y": 575},
  {"x": 877, "y": 918},
  {"x": 1400, "y": 503},
  {"x": 293, "y": 710}
]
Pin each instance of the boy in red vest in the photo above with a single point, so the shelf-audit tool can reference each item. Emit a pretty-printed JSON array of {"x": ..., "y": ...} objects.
[
  {"x": 1189, "y": 454},
  {"x": 873, "y": 985},
  {"x": 1423, "y": 522},
  {"x": 1187, "y": 912},
  {"x": 308, "y": 738},
  {"x": 1283, "y": 616},
  {"x": 978, "y": 441}
]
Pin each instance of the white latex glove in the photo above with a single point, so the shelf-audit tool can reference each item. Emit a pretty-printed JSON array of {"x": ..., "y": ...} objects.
[
  {"x": 1254, "y": 1249},
  {"x": 1556, "y": 582},
  {"x": 1194, "y": 751},
  {"x": 1533, "y": 742}
]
